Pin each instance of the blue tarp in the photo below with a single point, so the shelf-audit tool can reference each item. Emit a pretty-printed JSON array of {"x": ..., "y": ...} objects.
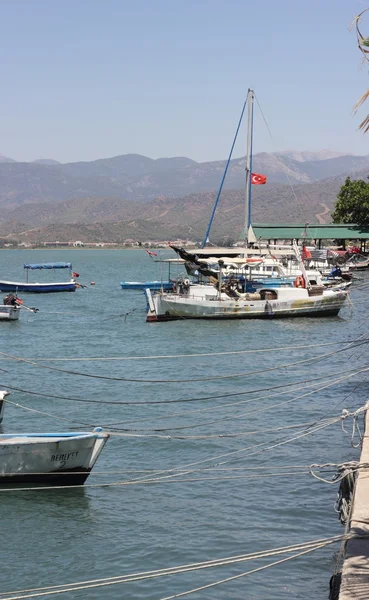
[{"x": 58, "y": 265}]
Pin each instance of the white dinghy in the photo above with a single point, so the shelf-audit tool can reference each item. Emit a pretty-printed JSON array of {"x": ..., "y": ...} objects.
[
  {"x": 50, "y": 458},
  {"x": 9, "y": 312}
]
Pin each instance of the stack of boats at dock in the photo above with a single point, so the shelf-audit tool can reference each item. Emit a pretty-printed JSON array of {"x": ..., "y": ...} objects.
[{"x": 261, "y": 282}]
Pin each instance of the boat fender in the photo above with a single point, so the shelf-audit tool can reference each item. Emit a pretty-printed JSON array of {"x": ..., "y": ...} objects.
[{"x": 299, "y": 282}]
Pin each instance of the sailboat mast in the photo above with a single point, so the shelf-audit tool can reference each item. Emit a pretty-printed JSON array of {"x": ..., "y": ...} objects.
[{"x": 250, "y": 122}]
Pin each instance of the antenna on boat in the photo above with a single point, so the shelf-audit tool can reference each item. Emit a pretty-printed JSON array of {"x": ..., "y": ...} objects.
[{"x": 248, "y": 234}]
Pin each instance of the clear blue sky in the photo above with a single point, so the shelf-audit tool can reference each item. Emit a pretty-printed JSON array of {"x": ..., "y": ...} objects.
[{"x": 87, "y": 79}]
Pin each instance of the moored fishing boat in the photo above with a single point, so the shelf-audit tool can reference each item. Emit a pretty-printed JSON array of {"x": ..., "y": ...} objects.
[
  {"x": 268, "y": 303},
  {"x": 45, "y": 287},
  {"x": 49, "y": 458}
]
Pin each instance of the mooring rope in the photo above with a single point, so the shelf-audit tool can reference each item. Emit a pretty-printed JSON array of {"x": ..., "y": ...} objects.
[{"x": 191, "y": 567}]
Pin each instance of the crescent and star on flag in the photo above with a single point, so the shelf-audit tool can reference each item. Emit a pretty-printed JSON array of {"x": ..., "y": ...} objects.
[{"x": 258, "y": 179}]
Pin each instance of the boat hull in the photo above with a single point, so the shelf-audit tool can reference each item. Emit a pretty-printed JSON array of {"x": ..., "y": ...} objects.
[
  {"x": 168, "y": 307},
  {"x": 9, "y": 313},
  {"x": 53, "y": 459},
  {"x": 151, "y": 285},
  {"x": 37, "y": 288}
]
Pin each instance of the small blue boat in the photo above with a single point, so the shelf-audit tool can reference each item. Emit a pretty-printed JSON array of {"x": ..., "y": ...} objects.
[
  {"x": 151, "y": 285},
  {"x": 45, "y": 287}
]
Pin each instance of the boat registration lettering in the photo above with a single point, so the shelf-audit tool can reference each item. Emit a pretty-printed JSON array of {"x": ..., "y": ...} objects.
[
  {"x": 64, "y": 457},
  {"x": 280, "y": 304}
]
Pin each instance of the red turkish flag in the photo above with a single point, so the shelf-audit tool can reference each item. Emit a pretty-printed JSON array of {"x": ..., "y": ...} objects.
[{"x": 258, "y": 179}]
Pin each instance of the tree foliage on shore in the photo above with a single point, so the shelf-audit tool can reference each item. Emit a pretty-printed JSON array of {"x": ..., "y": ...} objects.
[{"x": 352, "y": 204}]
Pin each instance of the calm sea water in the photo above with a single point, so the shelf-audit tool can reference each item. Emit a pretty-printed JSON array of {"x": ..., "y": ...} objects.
[{"x": 61, "y": 536}]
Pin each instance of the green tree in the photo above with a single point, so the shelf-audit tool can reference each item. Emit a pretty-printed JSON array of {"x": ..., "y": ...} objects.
[{"x": 352, "y": 204}]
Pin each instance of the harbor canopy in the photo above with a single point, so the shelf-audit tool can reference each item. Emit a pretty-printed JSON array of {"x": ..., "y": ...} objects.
[
  {"x": 58, "y": 265},
  {"x": 314, "y": 231}
]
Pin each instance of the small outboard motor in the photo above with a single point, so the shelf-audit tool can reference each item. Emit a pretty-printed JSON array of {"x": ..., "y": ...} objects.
[{"x": 10, "y": 300}]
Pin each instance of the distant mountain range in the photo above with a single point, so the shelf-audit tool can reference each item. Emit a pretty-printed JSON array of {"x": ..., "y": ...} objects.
[{"x": 133, "y": 196}]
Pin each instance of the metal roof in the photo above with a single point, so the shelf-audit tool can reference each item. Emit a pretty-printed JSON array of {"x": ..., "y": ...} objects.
[{"x": 315, "y": 231}]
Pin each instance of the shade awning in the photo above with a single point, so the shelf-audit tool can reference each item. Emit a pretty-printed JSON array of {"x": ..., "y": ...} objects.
[{"x": 58, "y": 265}]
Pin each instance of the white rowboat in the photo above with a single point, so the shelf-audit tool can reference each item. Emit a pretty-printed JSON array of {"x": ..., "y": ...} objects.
[{"x": 49, "y": 458}]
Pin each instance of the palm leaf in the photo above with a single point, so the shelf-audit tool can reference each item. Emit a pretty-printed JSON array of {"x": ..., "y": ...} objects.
[{"x": 361, "y": 101}]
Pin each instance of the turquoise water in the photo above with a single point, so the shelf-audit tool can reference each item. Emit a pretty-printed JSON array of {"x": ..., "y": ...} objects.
[{"x": 54, "y": 537}]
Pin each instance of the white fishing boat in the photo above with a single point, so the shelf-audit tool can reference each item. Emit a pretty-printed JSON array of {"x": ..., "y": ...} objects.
[
  {"x": 3, "y": 394},
  {"x": 49, "y": 458},
  {"x": 266, "y": 303}
]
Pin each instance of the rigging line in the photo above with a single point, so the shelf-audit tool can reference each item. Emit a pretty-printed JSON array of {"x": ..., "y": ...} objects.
[
  {"x": 213, "y": 397},
  {"x": 230, "y": 404},
  {"x": 253, "y": 412},
  {"x": 262, "y": 447},
  {"x": 285, "y": 169},
  {"x": 166, "y": 473},
  {"x": 40, "y": 412},
  {"x": 180, "y": 568},
  {"x": 206, "y": 238},
  {"x": 283, "y": 442},
  {"x": 328, "y": 468},
  {"x": 172, "y": 474},
  {"x": 128, "y": 434},
  {"x": 252, "y": 571},
  {"x": 144, "y": 403},
  {"x": 177, "y": 480},
  {"x": 193, "y": 380},
  {"x": 206, "y": 437},
  {"x": 195, "y": 355},
  {"x": 164, "y": 480}
]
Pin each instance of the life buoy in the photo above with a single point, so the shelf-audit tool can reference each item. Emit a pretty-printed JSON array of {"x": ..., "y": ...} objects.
[{"x": 299, "y": 282}]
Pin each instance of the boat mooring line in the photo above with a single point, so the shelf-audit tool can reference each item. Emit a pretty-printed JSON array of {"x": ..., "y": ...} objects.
[
  {"x": 171, "y": 356},
  {"x": 252, "y": 412},
  {"x": 251, "y": 572},
  {"x": 192, "y": 380},
  {"x": 62, "y": 588},
  {"x": 40, "y": 412},
  {"x": 175, "y": 401}
]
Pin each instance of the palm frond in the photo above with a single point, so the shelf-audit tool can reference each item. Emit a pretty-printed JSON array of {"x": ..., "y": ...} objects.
[
  {"x": 364, "y": 125},
  {"x": 363, "y": 44},
  {"x": 361, "y": 101}
]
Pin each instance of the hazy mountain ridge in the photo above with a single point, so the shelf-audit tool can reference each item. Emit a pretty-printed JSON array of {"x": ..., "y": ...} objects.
[
  {"x": 137, "y": 197},
  {"x": 111, "y": 219},
  {"x": 139, "y": 178}
]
